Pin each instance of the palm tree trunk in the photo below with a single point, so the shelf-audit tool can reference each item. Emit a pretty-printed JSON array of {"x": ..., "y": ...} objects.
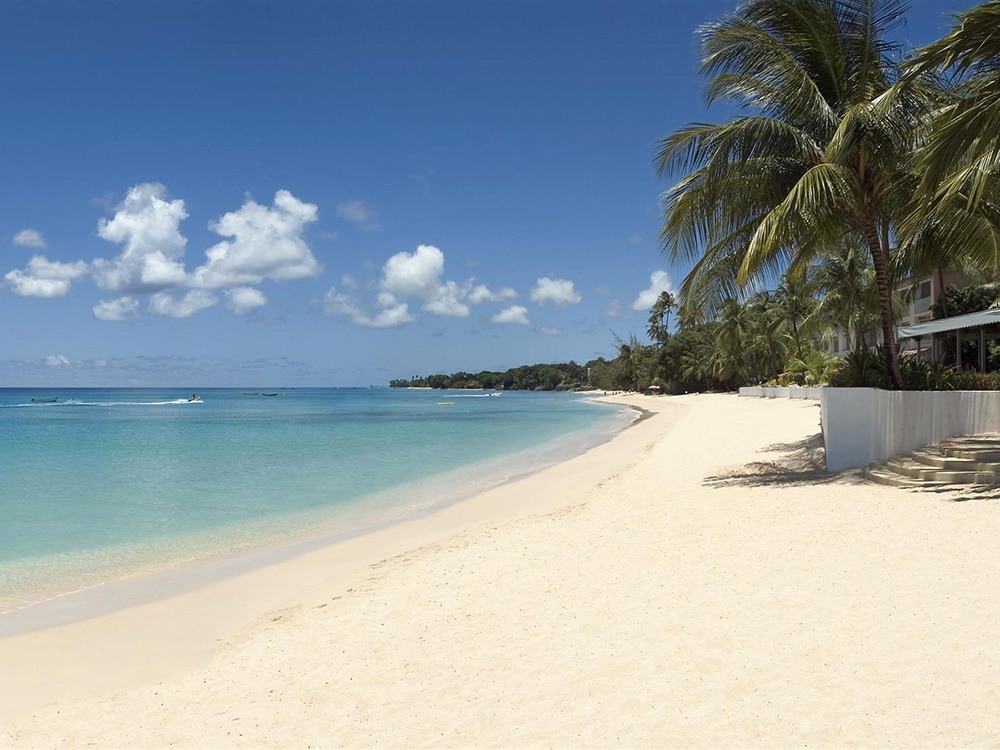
[
  {"x": 942, "y": 296},
  {"x": 880, "y": 263}
]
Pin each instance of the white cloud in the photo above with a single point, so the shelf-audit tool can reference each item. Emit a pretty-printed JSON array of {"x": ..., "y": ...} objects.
[
  {"x": 559, "y": 292},
  {"x": 261, "y": 243},
  {"x": 163, "y": 303},
  {"x": 393, "y": 314},
  {"x": 123, "y": 308},
  {"x": 447, "y": 302},
  {"x": 147, "y": 225},
  {"x": 45, "y": 278},
  {"x": 658, "y": 282},
  {"x": 551, "y": 331},
  {"x": 358, "y": 212},
  {"x": 244, "y": 300},
  {"x": 481, "y": 293},
  {"x": 338, "y": 303},
  {"x": 267, "y": 244},
  {"x": 407, "y": 277},
  {"x": 515, "y": 314},
  {"x": 416, "y": 274},
  {"x": 29, "y": 238},
  {"x": 391, "y": 317},
  {"x": 57, "y": 360}
]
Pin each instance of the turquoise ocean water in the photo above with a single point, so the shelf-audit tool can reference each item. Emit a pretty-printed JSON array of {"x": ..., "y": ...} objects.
[{"x": 104, "y": 484}]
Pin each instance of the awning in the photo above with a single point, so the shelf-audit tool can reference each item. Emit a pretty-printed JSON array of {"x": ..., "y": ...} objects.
[{"x": 972, "y": 320}]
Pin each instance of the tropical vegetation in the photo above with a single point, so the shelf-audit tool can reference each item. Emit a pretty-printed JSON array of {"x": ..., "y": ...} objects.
[{"x": 844, "y": 153}]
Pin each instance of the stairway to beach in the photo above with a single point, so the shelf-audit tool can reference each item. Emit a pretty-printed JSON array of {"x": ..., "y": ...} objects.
[{"x": 973, "y": 459}]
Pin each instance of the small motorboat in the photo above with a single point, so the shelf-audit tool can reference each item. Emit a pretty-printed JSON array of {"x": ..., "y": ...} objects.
[
  {"x": 195, "y": 399},
  {"x": 45, "y": 400},
  {"x": 269, "y": 394}
]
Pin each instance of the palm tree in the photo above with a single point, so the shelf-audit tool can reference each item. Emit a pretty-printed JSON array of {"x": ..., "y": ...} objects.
[
  {"x": 849, "y": 300},
  {"x": 796, "y": 301},
  {"x": 821, "y": 158},
  {"x": 659, "y": 317},
  {"x": 631, "y": 359},
  {"x": 962, "y": 153}
]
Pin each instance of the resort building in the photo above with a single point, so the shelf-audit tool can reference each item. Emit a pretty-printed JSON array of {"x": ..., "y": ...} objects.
[
  {"x": 964, "y": 340},
  {"x": 920, "y": 296}
]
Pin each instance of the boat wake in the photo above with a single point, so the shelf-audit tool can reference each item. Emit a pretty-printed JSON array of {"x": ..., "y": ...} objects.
[{"x": 103, "y": 404}]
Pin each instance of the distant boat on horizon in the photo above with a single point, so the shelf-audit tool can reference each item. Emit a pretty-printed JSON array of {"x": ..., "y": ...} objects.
[
  {"x": 45, "y": 400},
  {"x": 269, "y": 394}
]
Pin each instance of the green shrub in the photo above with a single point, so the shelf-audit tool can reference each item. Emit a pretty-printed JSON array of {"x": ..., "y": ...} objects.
[{"x": 861, "y": 368}]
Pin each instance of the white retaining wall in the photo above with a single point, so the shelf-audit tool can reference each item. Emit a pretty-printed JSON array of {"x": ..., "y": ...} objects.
[
  {"x": 861, "y": 425},
  {"x": 807, "y": 392}
]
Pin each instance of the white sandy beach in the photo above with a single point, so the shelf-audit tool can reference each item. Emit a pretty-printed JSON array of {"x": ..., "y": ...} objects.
[{"x": 695, "y": 582}]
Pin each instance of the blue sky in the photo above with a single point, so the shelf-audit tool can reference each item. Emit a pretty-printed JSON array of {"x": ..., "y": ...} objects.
[{"x": 295, "y": 193}]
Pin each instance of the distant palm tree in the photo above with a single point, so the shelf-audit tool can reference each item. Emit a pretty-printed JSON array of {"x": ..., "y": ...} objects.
[
  {"x": 849, "y": 300},
  {"x": 796, "y": 301},
  {"x": 659, "y": 317},
  {"x": 823, "y": 157},
  {"x": 631, "y": 359}
]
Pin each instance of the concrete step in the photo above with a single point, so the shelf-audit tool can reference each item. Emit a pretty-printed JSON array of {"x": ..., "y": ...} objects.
[
  {"x": 969, "y": 459},
  {"x": 881, "y": 475},
  {"x": 981, "y": 455},
  {"x": 933, "y": 457},
  {"x": 907, "y": 467}
]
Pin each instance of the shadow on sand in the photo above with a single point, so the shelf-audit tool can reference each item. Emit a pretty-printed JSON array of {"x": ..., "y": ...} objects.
[
  {"x": 803, "y": 462},
  {"x": 964, "y": 493},
  {"x": 800, "y": 462}
]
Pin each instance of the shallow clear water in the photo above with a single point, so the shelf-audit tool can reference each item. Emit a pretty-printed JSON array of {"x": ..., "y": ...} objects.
[{"x": 101, "y": 484}]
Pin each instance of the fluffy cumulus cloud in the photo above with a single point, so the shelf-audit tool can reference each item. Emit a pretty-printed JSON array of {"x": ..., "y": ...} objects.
[
  {"x": 393, "y": 314},
  {"x": 658, "y": 282},
  {"x": 29, "y": 238},
  {"x": 447, "y": 301},
  {"x": 261, "y": 243},
  {"x": 123, "y": 308},
  {"x": 164, "y": 303},
  {"x": 358, "y": 212},
  {"x": 44, "y": 278},
  {"x": 415, "y": 274},
  {"x": 559, "y": 292},
  {"x": 147, "y": 226},
  {"x": 513, "y": 315},
  {"x": 413, "y": 278},
  {"x": 57, "y": 360},
  {"x": 265, "y": 243},
  {"x": 244, "y": 300},
  {"x": 481, "y": 293}
]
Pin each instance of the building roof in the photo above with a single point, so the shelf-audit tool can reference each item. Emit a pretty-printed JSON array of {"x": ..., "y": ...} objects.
[{"x": 972, "y": 320}]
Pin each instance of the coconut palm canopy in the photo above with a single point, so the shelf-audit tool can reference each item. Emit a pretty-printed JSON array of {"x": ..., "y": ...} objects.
[
  {"x": 962, "y": 152},
  {"x": 823, "y": 156}
]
